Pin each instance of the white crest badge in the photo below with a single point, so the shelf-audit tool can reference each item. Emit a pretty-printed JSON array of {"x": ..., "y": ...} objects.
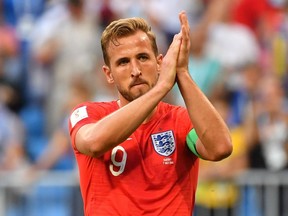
[
  {"x": 78, "y": 115},
  {"x": 164, "y": 142}
]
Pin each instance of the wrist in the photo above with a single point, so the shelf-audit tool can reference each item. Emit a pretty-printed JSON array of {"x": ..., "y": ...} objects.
[
  {"x": 164, "y": 86},
  {"x": 183, "y": 74},
  {"x": 183, "y": 69}
]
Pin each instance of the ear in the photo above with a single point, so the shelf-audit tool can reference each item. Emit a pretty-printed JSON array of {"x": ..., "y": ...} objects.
[
  {"x": 159, "y": 62},
  {"x": 108, "y": 74}
]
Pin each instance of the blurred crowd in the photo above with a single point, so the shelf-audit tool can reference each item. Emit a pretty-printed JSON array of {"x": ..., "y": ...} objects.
[{"x": 50, "y": 60}]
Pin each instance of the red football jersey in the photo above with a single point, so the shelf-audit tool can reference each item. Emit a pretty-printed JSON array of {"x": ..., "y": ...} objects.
[{"x": 152, "y": 173}]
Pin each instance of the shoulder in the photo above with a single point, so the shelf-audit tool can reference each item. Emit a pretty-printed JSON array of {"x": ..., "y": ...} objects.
[
  {"x": 171, "y": 108},
  {"x": 97, "y": 106},
  {"x": 91, "y": 111},
  {"x": 178, "y": 114},
  {"x": 175, "y": 113}
]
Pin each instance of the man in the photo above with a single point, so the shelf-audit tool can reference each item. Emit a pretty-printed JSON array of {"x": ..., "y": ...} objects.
[{"x": 132, "y": 153}]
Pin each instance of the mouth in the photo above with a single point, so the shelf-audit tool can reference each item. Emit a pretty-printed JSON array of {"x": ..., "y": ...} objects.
[{"x": 138, "y": 83}]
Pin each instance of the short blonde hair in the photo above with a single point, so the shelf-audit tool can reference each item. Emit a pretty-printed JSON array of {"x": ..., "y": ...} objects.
[{"x": 125, "y": 27}]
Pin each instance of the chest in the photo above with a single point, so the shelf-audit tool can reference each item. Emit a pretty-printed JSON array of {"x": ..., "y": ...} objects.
[{"x": 151, "y": 150}]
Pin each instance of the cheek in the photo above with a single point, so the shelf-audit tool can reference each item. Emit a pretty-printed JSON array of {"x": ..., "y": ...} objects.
[
  {"x": 156, "y": 72},
  {"x": 155, "y": 79},
  {"x": 121, "y": 78}
]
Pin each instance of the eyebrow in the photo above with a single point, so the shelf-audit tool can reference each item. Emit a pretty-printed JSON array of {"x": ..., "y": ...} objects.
[
  {"x": 122, "y": 59},
  {"x": 143, "y": 53},
  {"x": 137, "y": 55}
]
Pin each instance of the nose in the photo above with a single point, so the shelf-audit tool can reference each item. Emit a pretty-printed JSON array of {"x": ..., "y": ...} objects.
[{"x": 136, "y": 71}]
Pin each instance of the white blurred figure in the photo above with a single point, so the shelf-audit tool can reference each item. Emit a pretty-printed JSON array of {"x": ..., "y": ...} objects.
[
  {"x": 232, "y": 43},
  {"x": 70, "y": 50}
]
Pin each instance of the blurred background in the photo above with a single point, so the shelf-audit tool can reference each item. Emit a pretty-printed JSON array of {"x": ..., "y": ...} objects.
[{"x": 50, "y": 60}]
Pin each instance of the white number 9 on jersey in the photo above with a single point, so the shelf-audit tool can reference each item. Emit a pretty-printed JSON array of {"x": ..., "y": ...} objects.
[{"x": 120, "y": 165}]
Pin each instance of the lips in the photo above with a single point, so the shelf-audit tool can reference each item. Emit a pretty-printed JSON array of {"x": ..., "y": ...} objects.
[{"x": 137, "y": 82}]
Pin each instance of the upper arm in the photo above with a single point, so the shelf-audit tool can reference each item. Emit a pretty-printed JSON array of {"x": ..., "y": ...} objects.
[
  {"x": 80, "y": 122},
  {"x": 81, "y": 140}
]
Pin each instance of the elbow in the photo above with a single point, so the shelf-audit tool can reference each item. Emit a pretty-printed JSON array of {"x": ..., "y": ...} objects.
[
  {"x": 96, "y": 148},
  {"x": 90, "y": 147},
  {"x": 92, "y": 144},
  {"x": 223, "y": 151},
  {"x": 95, "y": 151},
  {"x": 217, "y": 148}
]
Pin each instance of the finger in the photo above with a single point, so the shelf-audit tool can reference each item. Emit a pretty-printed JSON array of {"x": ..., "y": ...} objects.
[
  {"x": 184, "y": 20},
  {"x": 185, "y": 28},
  {"x": 174, "y": 46}
]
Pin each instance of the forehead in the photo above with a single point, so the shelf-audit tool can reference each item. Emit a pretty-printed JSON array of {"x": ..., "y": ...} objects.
[{"x": 137, "y": 42}]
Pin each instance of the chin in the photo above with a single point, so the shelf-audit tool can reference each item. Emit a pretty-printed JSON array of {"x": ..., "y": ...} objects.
[{"x": 136, "y": 95}]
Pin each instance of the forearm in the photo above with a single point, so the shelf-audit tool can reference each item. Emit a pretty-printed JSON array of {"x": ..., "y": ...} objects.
[
  {"x": 214, "y": 135},
  {"x": 96, "y": 139}
]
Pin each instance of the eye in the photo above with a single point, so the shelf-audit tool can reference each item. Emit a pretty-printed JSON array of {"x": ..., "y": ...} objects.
[
  {"x": 143, "y": 57},
  {"x": 123, "y": 61}
]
